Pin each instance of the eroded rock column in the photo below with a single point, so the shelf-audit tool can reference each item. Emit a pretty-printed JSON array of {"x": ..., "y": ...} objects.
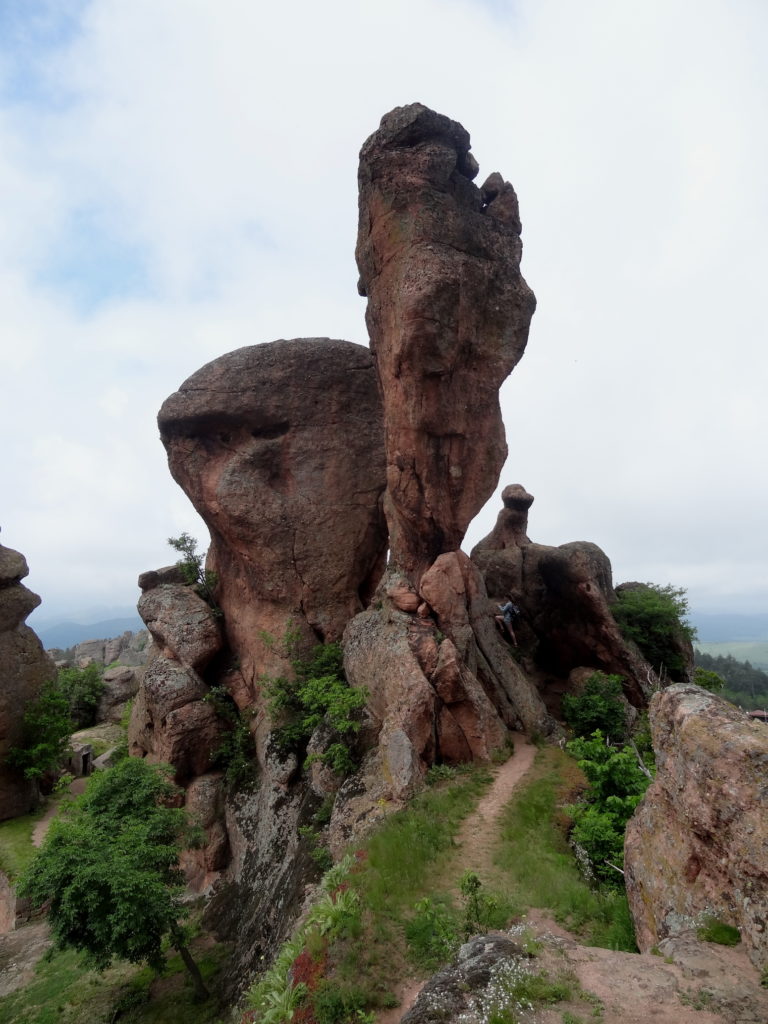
[{"x": 448, "y": 316}]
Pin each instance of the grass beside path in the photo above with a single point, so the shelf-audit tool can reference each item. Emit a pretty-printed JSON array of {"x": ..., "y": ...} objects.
[
  {"x": 539, "y": 865},
  {"x": 16, "y": 849}
]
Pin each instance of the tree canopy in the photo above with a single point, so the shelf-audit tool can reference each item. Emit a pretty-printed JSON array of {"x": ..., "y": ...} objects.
[{"x": 108, "y": 869}]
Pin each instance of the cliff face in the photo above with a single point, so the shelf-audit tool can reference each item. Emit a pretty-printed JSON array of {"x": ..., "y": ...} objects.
[
  {"x": 24, "y": 667},
  {"x": 697, "y": 845}
]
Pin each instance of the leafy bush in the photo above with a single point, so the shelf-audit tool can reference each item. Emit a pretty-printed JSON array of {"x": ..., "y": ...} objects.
[
  {"x": 654, "y": 618},
  {"x": 432, "y": 933},
  {"x": 600, "y": 706},
  {"x": 46, "y": 728},
  {"x": 83, "y": 688},
  {"x": 616, "y": 784},
  {"x": 708, "y": 680},
  {"x": 236, "y": 754},
  {"x": 320, "y": 693}
]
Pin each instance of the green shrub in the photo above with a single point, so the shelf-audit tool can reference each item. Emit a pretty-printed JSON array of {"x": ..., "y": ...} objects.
[
  {"x": 654, "y": 618},
  {"x": 83, "y": 688},
  {"x": 320, "y": 693},
  {"x": 236, "y": 754},
  {"x": 708, "y": 680},
  {"x": 46, "y": 728},
  {"x": 600, "y": 706},
  {"x": 616, "y": 785},
  {"x": 432, "y": 933}
]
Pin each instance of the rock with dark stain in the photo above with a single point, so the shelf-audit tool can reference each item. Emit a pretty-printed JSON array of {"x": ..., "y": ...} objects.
[
  {"x": 448, "y": 316},
  {"x": 280, "y": 449}
]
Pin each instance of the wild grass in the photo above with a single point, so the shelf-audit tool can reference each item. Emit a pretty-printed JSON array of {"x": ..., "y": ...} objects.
[
  {"x": 16, "y": 849},
  {"x": 65, "y": 991},
  {"x": 537, "y": 861}
]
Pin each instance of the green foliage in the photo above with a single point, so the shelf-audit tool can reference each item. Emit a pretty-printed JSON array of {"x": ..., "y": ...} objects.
[
  {"x": 654, "y": 618},
  {"x": 46, "y": 728},
  {"x": 319, "y": 693},
  {"x": 714, "y": 930},
  {"x": 16, "y": 849},
  {"x": 432, "y": 933},
  {"x": 600, "y": 706},
  {"x": 708, "y": 680},
  {"x": 236, "y": 754},
  {"x": 191, "y": 564},
  {"x": 108, "y": 868},
  {"x": 616, "y": 785},
  {"x": 83, "y": 688},
  {"x": 483, "y": 910}
]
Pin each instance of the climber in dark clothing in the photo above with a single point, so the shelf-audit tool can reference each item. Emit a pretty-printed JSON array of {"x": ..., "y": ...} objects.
[{"x": 509, "y": 612}]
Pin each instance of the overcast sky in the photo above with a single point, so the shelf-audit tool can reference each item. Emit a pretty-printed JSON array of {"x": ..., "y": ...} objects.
[{"x": 178, "y": 179}]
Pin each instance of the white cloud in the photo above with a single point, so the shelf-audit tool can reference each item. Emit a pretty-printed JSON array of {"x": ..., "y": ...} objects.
[{"x": 180, "y": 179}]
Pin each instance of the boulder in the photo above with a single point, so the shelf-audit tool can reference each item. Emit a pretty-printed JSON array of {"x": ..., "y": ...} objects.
[
  {"x": 280, "y": 449},
  {"x": 448, "y": 316},
  {"x": 121, "y": 684},
  {"x": 181, "y": 623},
  {"x": 172, "y": 723},
  {"x": 565, "y": 595},
  {"x": 24, "y": 668},
  {"x": 697, "y": 844}
]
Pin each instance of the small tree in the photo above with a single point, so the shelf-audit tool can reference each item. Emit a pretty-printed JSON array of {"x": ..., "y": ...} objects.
[
  {"x": 192, "y": 567},
  {"x": 46, "y": 728},
  {"x": 83, "y": 688},
  {"x": 109, "y": 870}
]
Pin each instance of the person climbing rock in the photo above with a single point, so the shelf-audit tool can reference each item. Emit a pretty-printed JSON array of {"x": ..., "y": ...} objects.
[{"x": 509, "y": 612}]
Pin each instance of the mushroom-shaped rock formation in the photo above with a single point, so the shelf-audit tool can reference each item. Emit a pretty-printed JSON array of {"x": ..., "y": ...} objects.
[
  {"x": 448, "y": 316},
  {"x": 565, "y": 595},
  {"x": 697, "y": 845},
  {"x": 24, "y": 668},
  {"x": 280, "y": 449}
]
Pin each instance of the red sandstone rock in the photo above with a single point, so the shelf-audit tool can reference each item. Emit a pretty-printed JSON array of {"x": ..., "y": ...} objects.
[
  {"x": 448, "y": 316},
  {"x": 280, "y": 449},
  {"x": 565, "y": 594},
  {"x": 181, "y": 622},
  {"x": 24, "y": 668},
  {"x": 697, "y": 844}
]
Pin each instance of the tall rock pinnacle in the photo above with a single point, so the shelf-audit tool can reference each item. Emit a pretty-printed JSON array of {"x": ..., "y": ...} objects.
[{"x": 448, "y": 316}]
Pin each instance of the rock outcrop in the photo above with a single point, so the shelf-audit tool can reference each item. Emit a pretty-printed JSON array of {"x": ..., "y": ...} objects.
[
  {"x": 448, "y": 316},
  {"x": 279, "y": 447},
  {"x": 697, "y": 844},
  {"x": 24, "y": 668},
  {"x": 565, "y": 595}
]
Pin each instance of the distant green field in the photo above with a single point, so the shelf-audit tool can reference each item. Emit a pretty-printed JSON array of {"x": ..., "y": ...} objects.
[{"x": 753, "y": 651}]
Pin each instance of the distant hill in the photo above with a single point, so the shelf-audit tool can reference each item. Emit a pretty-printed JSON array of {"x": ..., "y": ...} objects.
[
  {"x": 719, "y": 628},
  {"x": 67, "y": 634}
]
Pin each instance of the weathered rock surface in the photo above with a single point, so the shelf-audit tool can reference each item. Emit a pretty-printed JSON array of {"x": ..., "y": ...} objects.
[
  {"x": 24, "y": 668},
  {"x": 697, "y": 844},
  {"x": 121, "y": 684},
  {"x": 279, "y": 447},
  {"x": 565, "y": 595},
  {"x": 181, "y": 624},
  {"x": 448, "y": 317},
  {"x": 128, "y": 649}
]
